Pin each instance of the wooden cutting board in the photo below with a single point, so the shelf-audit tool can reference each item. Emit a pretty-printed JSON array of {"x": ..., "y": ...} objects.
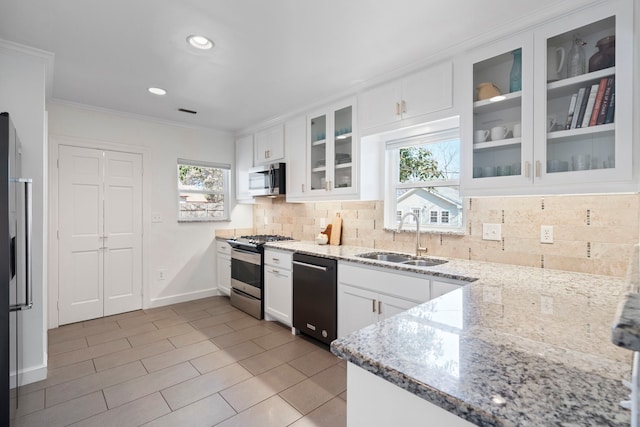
[{"x": 336, "y": 230}]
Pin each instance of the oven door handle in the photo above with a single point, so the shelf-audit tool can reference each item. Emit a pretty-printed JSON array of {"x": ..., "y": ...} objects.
[{"x": 304, "y": 264}]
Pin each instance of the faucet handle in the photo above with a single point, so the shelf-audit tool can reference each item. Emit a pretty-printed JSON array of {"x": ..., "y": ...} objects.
[{"x": 422, "y": 250}]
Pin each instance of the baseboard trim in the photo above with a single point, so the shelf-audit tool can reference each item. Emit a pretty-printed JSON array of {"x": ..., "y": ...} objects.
[
  {"x": 31, "y": 375},
  {"x": 175, "y": 299}
]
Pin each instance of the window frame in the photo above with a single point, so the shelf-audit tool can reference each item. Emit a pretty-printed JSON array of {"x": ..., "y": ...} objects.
[
  {"x": 436, "y": 131},
  {"x": 225, "y": 192}
]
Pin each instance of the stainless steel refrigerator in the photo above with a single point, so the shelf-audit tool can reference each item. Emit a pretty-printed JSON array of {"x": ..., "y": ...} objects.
[{"x": 15, "y": 263}]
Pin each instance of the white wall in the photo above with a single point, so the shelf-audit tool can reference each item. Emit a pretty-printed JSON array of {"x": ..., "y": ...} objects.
[
  {"x": 22, "y": 94},
  {"x": 186, "y": 251}
]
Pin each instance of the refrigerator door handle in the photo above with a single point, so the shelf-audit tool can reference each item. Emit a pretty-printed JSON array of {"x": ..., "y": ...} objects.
[{"x": 27, "y": 247}]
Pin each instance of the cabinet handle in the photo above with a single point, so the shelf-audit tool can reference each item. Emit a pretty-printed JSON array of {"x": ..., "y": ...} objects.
[
  {"x": 373, "y": 305},
  {"x": 302, "y": 185},
  {"x": 397, "y": 108},
  {"x": 404, "y": 106},
  {"x": 379, "y": 307},
  {"x": 274, "y": 271},
  {"x": 527, "y": 169},
  {"x": 537, "y": 168}
]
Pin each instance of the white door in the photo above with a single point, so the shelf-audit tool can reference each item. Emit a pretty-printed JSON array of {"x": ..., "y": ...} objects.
[
  {"x": 99, "y": 224},
  {"x": 122, "y": 232}
]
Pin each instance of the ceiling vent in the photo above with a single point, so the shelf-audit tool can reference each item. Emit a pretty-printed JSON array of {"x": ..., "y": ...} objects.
[{"x": 184, "y": 110}]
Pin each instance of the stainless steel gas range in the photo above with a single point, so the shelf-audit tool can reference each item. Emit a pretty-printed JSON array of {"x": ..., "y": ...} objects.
[{"x": 247, "y": 272}]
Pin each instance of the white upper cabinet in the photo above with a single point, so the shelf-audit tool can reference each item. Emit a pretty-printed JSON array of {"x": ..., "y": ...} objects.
[
  {"x": 295, "y": 140},
  {"x": 561, "y": 131},
  {"x": 332, "y": 147},
  {"x": 417, "y": 94},
  {"x": 244, "y": 161},
  {"x": 269, "y": 145}
]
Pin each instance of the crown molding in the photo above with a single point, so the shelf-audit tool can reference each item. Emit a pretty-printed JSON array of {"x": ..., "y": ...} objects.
[{"x": 47, "y": 57}]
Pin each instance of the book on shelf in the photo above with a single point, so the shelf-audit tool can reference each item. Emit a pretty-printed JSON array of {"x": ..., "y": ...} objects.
[
  {"x": 606, "y": 101},
  {"x": 572, "y": 109},
  {"x": 611, "y": 110},
  {"x": 588, "y": 109},
  {"x": 576, "y": 112},
  {"x": 583, "y": 107},
  {"x": 598, "y": 103}
]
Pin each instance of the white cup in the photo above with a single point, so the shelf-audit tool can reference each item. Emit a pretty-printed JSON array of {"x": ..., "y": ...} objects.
[
  {"x": 517, "y": 130},
  {"x": 480, "y": 135},
  {"x": 498, "y": 133}
]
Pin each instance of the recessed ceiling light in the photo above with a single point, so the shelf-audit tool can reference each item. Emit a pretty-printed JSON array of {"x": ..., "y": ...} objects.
[
  {"x": 157, "y": 91},
  {"x": 200, "y": 42}
]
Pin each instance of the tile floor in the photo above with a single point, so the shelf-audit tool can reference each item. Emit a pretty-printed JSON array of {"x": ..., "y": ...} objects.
[{"x": 200, "y": 363}]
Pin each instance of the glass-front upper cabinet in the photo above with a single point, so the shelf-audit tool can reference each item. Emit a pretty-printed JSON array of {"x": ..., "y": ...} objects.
[
  {"x": 497, "y": 128},
  {"x": 585, "y": 68},
  {"x": 331, "y": 151}
]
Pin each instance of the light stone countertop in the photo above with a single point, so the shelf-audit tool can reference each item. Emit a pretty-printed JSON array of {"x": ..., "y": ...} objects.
[{"x": 517, "y": 346}]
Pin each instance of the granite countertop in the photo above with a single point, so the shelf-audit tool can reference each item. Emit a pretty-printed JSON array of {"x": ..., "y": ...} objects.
[{"x": 517, "y": 346}]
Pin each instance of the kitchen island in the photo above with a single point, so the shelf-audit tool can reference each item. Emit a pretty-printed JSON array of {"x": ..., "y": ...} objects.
[{"x": 516, "y": 346}]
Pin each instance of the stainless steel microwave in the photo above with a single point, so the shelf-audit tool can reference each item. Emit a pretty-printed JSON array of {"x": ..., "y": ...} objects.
[{"x": 267, "y": 180}]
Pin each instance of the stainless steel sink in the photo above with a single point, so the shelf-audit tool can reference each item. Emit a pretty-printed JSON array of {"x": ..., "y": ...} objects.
[
  {"x": 424, "y": 262},
  {"x": 401, "y": 259}
]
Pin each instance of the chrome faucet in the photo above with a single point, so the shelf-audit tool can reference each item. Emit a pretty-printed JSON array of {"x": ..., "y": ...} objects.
[{"x": 418, "y": 248}]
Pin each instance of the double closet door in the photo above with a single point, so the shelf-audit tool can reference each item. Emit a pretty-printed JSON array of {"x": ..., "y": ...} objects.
[{"x": 100, "y": 233}]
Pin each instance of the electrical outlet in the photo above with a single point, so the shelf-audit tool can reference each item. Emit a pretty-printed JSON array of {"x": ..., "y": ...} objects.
[
  {"x": 156, "y": 217},
  {"x": 546, "y": 234},
  {"x": 162, "y": 274},
  {"x": 492, "y": 232}
]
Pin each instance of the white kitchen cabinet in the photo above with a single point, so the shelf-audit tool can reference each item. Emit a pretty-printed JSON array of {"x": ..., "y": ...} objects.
[
  {"x": 369, "y": 294},
  {"x": 332, "y": 147},
  {"x": 295, "y": 139},
  {"x": 417, "y": 94},
  {"x": 440, "y": 287},
  {"x": 269, "y": 145},
  {"x": 223, "y": 264},
  {"x": 278, "y": 293},
  {"x": 244, "y": 161},
  {"x": 547, "y": 156}
]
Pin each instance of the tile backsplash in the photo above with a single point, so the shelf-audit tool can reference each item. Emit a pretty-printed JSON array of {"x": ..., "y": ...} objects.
[{"x": 592, "y": 233}]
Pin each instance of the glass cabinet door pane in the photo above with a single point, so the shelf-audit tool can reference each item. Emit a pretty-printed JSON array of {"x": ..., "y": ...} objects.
[
  {"x": 343, "y": 152},
  {"x": 580, "y": 123},
  {"x": 497, "y": 115},
  {"x": 318, "y": 152}
]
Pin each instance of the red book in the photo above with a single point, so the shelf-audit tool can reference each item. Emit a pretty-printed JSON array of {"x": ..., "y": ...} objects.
[
  {"x": 606, "y": 101},
  {"x": 596, "y": 107}
]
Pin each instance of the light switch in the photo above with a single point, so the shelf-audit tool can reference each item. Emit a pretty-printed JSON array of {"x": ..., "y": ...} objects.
[
  {"x": 492, "y": 232},
  {"x": 156, "y": 217}
]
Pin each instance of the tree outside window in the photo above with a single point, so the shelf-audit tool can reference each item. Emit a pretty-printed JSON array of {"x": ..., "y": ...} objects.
[{"x": 203, "y": 191}]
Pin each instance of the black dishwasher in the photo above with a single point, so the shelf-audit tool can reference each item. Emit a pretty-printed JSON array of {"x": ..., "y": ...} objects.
[{"x": 315, "y": 282}]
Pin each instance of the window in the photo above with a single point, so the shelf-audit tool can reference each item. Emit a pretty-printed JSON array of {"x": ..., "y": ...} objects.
[
  {"x": 203, "y": 191},
  {"x": 422, "y": 175}
]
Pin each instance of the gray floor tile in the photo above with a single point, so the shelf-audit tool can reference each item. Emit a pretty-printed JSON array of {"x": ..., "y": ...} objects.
[
  {"x": 277, "y": 356},
  {"x": 160, "y": 334},
  {"x": 120, "y": 333},
  {"x": 217, "y": 319},
  {"x": 331, "y": 414},
  {"x": 273, "y": 412},
  {"x": 243, "y": 323},
  {"x": 147, "y": 318},
  {"x": 314, "y": 362},
  {"x": 72, "y": 357},
  {"x": 204, "y": 385},
  {"x": 71, "y": 332},
  {"x": 60, "y": 375},
  {"x": 131, "y": 414},
  {"x": 317, "y": 390},
  {"x": 131, "y": 354},
  {"x": 27, "y": 403},
  {"x": 275, "y": 339},
  {"x": 256, "y": 389},
  {"x": 212, "y": 361},
  {"x": 94, "y": 382},
  {"x": 234, "y": 338},
  {"x": 179, "y": 355},
  {"x": 188, "y": 338},
  {"x": 203, "y": 413},
  {"x": 65, "y": 346},
  {"x": 66, "y": 413},
  {"x": 155, "y": 381}
]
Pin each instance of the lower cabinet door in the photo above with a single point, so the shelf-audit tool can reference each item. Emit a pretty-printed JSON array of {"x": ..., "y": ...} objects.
[
  {"x": 390, "y": 306},
  {"x": 224, "y": 275},
  {"x": 357, "y": 308},
  {"x": 277, "y": 294}
]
